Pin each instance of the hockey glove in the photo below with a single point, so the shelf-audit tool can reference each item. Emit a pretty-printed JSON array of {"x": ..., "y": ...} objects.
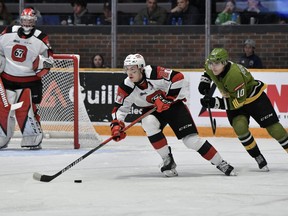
[
  {"x": 116, "y": 130},
  {"x": 159, "y": 100},
  {"x": 212, "y": 102},
  {"x": 205, "y": 84},
  {"x": 162, "y": 103}
]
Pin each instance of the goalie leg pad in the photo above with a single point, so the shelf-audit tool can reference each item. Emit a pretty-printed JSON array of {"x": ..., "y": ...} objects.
[
  {"x": 28, "y": 121},
  {"x": 7, "y": 121}
]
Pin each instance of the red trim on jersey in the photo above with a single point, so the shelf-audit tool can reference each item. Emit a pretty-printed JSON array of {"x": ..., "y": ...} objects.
[
  {"x": 114, "y": 110},
  {"x": 19, "y": 79},
  {"x": 159, "y": 144},
  {"x": 42, "y": 72},
  {"x": 178, "y": 76},
  {"x": 210, "y": 154},
  {"x": 121, "y": 95},
  {"x": 50, "y": 53},
  {"x": 161, "y": 73}
]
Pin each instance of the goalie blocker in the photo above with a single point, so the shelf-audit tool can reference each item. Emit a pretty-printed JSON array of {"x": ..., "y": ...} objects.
[{"x": 27, "y": 118}]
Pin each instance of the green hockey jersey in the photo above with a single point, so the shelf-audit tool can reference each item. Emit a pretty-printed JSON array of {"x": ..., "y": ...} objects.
[{"x": 237, "y": 85}]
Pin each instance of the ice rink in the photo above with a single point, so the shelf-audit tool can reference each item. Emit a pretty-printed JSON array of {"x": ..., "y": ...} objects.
[{"x": 123, "y": 179}]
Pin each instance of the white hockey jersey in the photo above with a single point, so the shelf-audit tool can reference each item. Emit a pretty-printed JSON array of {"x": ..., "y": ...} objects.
[
  {"x": 157, "y": 78},
  {"x": 21, "y": 50}
]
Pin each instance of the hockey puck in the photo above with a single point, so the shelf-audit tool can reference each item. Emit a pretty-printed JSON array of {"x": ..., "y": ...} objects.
[{"x": 77, "y": 181}]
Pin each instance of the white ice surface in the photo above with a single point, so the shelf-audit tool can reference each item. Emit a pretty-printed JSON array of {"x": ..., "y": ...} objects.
[{"x": 124, "y": 179}]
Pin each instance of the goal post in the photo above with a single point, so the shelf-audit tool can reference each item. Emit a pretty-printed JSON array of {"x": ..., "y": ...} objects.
[{"x": 62, "y": 109}]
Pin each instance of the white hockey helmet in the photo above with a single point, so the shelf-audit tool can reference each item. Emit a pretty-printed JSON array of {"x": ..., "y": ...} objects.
[
  {"x": 135, "y": 59},
  {"x": 28, "y": 19}
]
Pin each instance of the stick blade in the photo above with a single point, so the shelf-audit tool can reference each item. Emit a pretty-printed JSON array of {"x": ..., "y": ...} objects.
[{"x": 42, "y": 178}]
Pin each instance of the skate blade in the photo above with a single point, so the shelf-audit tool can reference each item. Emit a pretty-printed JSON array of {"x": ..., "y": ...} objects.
[
  {"x": 233, "y": 173},
  {"x": 265, "y": 169},
  {"x": 170, "y": 173}
]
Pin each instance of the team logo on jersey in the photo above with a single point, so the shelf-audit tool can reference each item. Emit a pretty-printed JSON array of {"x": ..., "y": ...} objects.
[{"x": 19, "y": 53}]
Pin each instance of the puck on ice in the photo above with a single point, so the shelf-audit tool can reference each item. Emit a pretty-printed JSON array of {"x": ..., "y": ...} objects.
[{"x": 77, "y": 181}]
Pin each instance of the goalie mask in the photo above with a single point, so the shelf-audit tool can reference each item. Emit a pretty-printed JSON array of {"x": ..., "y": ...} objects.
[{"x": 28, "y": 19}]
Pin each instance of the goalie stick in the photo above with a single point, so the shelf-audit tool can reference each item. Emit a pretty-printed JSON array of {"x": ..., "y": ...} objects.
[{"x": 48, "y": 178}]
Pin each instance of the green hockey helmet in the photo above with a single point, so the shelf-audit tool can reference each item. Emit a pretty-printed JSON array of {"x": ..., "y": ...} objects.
[{"x": 218, "y": 55}]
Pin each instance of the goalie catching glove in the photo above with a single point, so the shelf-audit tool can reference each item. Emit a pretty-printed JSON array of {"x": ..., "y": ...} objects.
[
  {"x": 117, "y": 130},
  {"x": 161, "y": 102},
  {"x": 212, "y": 102},
  {"x": 42, "y": 65}
]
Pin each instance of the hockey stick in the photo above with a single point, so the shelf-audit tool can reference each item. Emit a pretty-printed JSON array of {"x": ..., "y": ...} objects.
[
  {"x": 212, "y": 121},
  {"x": 48, "y": 178}
]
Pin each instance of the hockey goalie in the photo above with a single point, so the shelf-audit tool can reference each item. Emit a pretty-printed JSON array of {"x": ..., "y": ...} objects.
[{"x": 26, "y": 56}]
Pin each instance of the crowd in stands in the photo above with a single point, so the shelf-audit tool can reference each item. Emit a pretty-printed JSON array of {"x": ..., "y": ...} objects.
[{"x": 181, "y": 12}]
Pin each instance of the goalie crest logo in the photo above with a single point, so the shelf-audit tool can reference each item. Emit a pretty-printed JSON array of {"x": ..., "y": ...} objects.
[{"x": 19, "y": 53}]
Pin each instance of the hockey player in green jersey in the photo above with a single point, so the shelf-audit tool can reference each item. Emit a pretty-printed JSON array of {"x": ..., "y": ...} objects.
[{"x": 243, "y": 97}]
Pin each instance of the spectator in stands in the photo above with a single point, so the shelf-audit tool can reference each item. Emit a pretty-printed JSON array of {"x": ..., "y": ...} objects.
[
  {"x": 187, "y": 13},
  {"x": 5, "y": 17},
  {"x": 97, "y": 61},
  {"x": 228, "y": 16},
  {"x": 151, "y": 15},
  {"x": 106, "y": 18},
  {"x": 255, "y": 13},
  {"x": 249, "y": 59},
  {"x": 201, "y": 6},
  {"x": 80, "y": 16}
]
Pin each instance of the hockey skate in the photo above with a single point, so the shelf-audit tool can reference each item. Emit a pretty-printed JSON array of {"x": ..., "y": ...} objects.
[
  {"x": 226, "y": 168},
  {"x": 262, "y": 163},
  {"x": 5, "y": 146},
  {"x": 169, "y": 166}
]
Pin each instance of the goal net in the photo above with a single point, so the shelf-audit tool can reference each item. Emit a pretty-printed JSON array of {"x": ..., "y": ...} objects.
[{"x": 62, "y": 110}]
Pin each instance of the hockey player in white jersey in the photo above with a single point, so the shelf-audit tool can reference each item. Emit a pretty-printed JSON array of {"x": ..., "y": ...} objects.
[
  {"x": 28, "y": 57},
  {"x": 147, "y": 86}
]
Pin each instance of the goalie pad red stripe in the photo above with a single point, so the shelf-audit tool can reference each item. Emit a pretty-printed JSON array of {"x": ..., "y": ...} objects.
[
  {"x": 22, "y": 113},
  {"x": 4, "y": 108},
  {"x": 4, "y": 118}
]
